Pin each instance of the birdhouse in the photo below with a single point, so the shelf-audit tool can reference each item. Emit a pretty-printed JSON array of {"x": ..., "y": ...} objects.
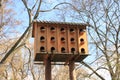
[{"x": 60, "y": 41}]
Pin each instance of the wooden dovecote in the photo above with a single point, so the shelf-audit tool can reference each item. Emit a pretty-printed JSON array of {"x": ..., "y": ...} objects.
[{"x": 60, "y": 41}]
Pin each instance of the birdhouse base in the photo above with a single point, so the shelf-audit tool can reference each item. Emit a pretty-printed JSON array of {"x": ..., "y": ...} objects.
[{"x": 60, "y": 57}]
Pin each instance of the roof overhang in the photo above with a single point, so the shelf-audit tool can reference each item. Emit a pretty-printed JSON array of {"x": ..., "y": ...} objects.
[{"x": 58, "y": 23}]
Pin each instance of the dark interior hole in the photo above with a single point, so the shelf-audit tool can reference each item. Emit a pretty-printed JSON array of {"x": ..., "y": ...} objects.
[
  {"x": 52, "y": 49},
  {"x": 52, "y": 28},
  {"x": 82, "y": 30},
  {"x": 62, "y": 39},
  {"x": 42, "y": 49},
  {"x": 82, "y": 50},
  {"x": 62, "y": 29},
  {"x": 72, "y": 39},
  {"x": 72, "y": 49},
  {"x": 71, "y": 30},
  {"x": 63, "y": 50},
  {"x": 52, "y": 39},
  {"x": 42, "y": 38},
  {"x": 42, "y": 28},
  {"x": 81, "y": 40}
]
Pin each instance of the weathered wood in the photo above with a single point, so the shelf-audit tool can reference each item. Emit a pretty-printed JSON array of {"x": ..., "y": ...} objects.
[
  {"x": 59, "y": 57},
  {"x": 48, "y": 69},
  {"x": 66, "y": 43},
  {"x": 72, "y": 70}
]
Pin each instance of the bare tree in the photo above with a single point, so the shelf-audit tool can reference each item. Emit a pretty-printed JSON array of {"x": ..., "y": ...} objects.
[
  {"x": 12, "y": 54},
  {"x": 33, "y": 13},
  {"x": 103, "y": 19}
]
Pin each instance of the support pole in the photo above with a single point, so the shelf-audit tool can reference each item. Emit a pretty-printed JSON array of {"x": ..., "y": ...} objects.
[
  {"x": 72, "y": 70},
  {"x": 48, "y": 69}
]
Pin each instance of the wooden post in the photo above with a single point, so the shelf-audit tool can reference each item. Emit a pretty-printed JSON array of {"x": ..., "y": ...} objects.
[
  {"x": 48, "y": 69},
  {"x": 72, "y": 70}
]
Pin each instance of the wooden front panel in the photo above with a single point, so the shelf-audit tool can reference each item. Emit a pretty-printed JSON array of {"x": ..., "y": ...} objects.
[
  {"x": 52, "y": 38},
  {"x": 72, "y": 39},
  {"x": 62, "y": 39},
  {"x": 41, "y": 38}
]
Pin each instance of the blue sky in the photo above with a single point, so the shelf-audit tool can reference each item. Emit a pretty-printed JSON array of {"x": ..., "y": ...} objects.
[{"x": 21, "y": 15}]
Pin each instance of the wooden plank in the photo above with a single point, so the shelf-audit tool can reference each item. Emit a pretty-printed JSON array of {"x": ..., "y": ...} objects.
[
  {"x": 48, "y": 69},
  {"x": 72, "y": 71},
  {"x": 60, "y": 57},
  {"x": 67, "y": 60}
]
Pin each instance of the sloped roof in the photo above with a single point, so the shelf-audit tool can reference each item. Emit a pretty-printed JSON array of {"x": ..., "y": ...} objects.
[{"x": 57, "y": 23}]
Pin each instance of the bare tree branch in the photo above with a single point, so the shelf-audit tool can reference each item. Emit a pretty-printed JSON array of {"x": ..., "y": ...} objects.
[
  {"x": 92, "y": 70},
  {"x": 55, "y": 7},
  {"x": 37, "y": 12},
  {"x": 20, "y": 39}
]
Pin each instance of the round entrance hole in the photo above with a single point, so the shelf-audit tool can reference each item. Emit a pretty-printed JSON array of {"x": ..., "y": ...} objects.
[
  {"x": 62, "y": 30},
  {"x": 42, "y": 49},
  {"x": 72, "y": 39},
  {"x": 52, "y": 29},
  {"x": 52, "y": 49},
  {"x": 52, "y": 38},
  {"x": 81, "y": 41},
  {"x": 42, "y": 38},
  {"x": 71, "y": 30},
  {"x": 72, "y": 50},
  {"x": 81, "y": 31},
  {"x": 42, "y": 28},
  {"x": 63, "y": 39},
  {"x": 63, "y": 50},
  {"x": 82, "y": 50}
]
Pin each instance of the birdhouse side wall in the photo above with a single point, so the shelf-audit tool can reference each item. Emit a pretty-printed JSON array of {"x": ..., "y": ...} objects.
[{"x": 82, "y": 41}]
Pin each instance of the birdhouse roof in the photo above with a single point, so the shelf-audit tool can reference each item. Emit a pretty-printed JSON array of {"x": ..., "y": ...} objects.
[{"x": 56, "y": 23}]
